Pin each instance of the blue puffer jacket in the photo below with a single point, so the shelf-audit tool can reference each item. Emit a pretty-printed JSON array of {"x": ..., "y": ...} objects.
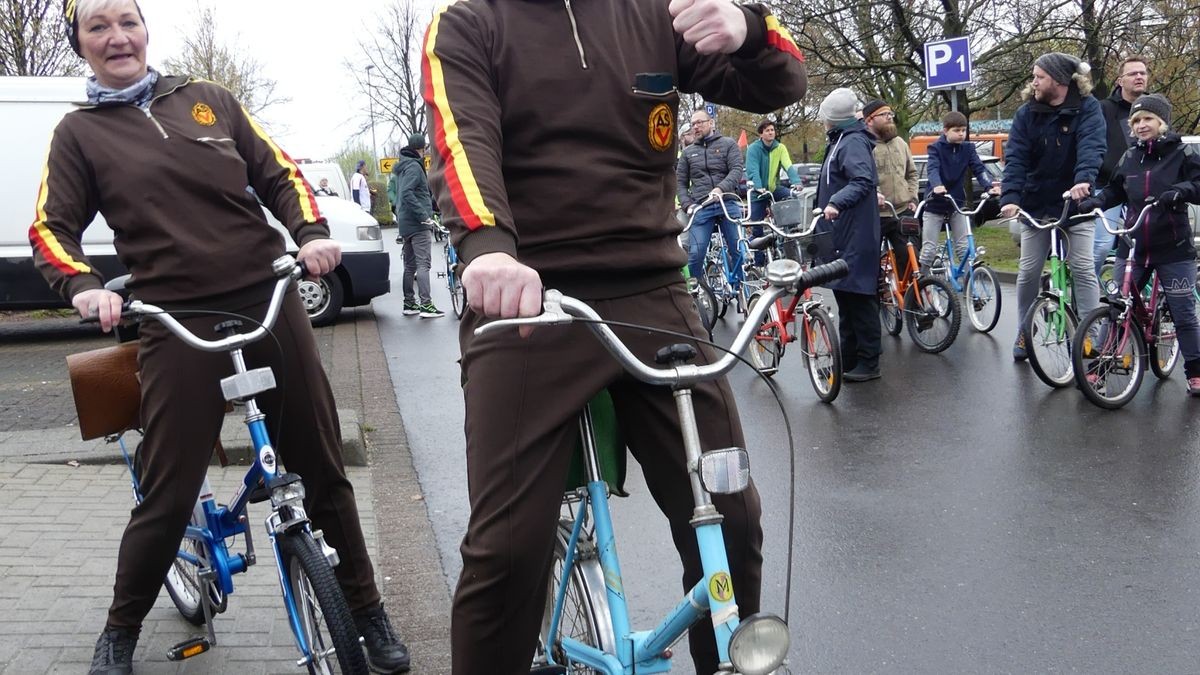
[
  {"x": 848, "y": 182},
  {"x": 1051, "y": 149},
  {"x": 947, "y": 166}
]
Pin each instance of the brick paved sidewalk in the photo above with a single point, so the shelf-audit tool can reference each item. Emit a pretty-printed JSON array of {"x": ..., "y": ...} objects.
[{"x": 59, "y": 525}]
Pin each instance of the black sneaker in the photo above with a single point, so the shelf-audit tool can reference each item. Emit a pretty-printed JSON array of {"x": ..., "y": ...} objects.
[
  {"x": 114, "y": 652},
  {"x": 428, "y": 311},
  {"x": 411, "y": 308},
  {"x": 861, "y": 373},
  {"x": 385, "y": 652}
]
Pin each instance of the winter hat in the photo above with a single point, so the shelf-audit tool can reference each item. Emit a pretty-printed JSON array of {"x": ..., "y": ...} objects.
[
  {"x": 839, "y": 106},
  {"x": 361, "y": 163},
  {"x": 416, "y": 141},
  {"x": 1062, "y": 67},
  {"x": 873, "y": 107},
  {"x": 1155, "y": 104},
  {"x": 70, "y": 15}
]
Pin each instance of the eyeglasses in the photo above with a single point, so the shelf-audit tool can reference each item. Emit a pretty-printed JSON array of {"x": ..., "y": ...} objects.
[{"x": 885, "y": 115}]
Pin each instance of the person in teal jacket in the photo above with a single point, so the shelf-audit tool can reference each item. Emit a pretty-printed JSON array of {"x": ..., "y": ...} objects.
[{"x": 763, "y": 159}]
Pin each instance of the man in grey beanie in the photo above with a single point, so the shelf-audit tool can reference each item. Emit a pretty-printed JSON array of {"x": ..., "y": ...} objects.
[
  {"x": 1056, "y": 145},
  {"x": 414, "y": 219}
]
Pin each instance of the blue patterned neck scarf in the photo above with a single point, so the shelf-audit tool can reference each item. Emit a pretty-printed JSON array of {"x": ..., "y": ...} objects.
[{"x": 138, "y": 94}]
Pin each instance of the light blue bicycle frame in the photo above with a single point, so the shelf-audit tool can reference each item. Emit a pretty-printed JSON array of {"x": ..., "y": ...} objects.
[{"x": 644, "y": 651}]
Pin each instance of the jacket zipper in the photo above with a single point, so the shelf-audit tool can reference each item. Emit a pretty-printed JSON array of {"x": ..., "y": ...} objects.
[
  {"x": 575, "y": 33},
  {"x": 155, "y": 120},
  {"x": 151, "y": 117}
]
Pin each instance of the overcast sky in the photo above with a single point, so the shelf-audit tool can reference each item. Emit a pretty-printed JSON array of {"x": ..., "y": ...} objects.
[{"x": 302, "y": 44}]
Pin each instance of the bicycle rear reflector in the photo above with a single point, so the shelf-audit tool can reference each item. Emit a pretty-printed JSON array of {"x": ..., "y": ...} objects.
[{"x": 725, "y": 471}]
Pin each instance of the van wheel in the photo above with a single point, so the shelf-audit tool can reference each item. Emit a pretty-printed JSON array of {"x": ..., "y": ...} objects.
[{"x": 322, "y": 298}]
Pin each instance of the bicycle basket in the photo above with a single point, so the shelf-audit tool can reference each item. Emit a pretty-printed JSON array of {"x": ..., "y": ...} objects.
[
  {"x": 910, "y": 226},
  {"x": 790, "y": 213}
]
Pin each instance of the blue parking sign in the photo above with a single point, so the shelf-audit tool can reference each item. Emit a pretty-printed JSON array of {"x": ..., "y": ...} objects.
[
  {"x": 711, "y": 109},
  {"x": 948, "y": 63}
]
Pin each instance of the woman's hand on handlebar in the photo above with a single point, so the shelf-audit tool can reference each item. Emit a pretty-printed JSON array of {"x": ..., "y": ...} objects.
[
  {"x": 498, "y": 286},
  {"x": 1009, "y": 210},
  {"x": 320, "y": 256},
  {"x": 101, "y": 304}
]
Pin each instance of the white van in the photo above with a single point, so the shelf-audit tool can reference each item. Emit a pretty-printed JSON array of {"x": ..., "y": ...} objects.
[{"x": 30, "y": 108}]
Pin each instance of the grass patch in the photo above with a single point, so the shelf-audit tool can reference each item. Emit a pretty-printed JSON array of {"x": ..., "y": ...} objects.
[{"x": 1002, "y": 254}]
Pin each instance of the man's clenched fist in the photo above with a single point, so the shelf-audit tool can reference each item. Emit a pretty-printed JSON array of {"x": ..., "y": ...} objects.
[{"x": 711, "y": 26}]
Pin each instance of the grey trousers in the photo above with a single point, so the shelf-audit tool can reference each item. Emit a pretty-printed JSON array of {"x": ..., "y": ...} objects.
[
  {"x": 416, "y": 266},
  {"x": 1035, "y": 246}
]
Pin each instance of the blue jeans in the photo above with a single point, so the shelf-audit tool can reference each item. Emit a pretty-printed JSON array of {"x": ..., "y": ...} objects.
[
  {"x": 1104, "y": 240},
  {"x": 1178, "y": 280},
  {"x": 707, "y": 219}
]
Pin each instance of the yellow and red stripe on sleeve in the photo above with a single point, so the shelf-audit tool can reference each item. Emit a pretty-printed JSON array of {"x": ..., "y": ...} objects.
[
  {"x": 44, "y": 240},
  {"x": 779, "y": 38},
  {"x": 308, "y": 201},
  {"x": 460, "y": 179}
]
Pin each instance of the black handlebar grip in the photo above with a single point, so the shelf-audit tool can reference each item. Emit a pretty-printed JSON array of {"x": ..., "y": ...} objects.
[
  {"x": 822, "y": 274},
  {"x": 303, "y": 268}
]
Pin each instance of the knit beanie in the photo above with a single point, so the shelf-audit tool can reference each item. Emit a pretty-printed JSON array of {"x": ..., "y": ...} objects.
[
  {"x": 416, "y": 141},
  {"x": 1155, "y": 104},
  {"x": 71, "y": 17},
  {"x": 839, "y": 106},
  {"x": 1062, "y": 67},
  {"x": 873, "y": 107}
]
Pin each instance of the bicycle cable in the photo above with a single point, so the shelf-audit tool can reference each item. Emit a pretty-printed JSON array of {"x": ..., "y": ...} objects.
[{"x": 787, "y": 423}]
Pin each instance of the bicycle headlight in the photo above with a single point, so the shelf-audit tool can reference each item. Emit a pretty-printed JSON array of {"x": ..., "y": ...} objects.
[
  {"x": 759, "y": 645},
  {"x": 980, "y": 251},
  {"x": 290, "y": 493}
]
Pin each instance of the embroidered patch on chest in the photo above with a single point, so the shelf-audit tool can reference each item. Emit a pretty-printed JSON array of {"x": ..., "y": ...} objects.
[
  {"x": 661, "y": 127},
  {"x": 204, "y": 115}
]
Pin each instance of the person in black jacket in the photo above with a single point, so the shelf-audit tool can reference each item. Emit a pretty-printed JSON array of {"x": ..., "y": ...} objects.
[
  {"x": 1132, "y": 81},
  {"x": 846, "y": 195},
  {"x": 1159, "y": 165},
  {"x": 414, "y": 220}
]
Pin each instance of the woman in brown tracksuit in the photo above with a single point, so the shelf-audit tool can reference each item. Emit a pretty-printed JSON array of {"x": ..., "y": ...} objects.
[
  {"x": 554, "y": 150},
  {"x": 168, "y": 161}
]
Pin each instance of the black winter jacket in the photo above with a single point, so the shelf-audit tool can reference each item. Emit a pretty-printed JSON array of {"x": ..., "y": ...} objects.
[
  {"x": 848, "y": 181},
  {"x": 1147, "y": 170},
  {"x": 712, "y": 161},
  {"x": 414, "y": 207},
  {"x": 1116, "y": 118}
]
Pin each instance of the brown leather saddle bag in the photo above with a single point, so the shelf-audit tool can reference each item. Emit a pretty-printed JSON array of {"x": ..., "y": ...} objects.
[{"x": 107, "y": 391}]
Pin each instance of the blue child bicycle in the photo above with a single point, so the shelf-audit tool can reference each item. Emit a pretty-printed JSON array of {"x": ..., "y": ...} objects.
[
  {"x": 969, "y": 276},
  {"x": 201, "y": 577},
  {"x": 587, "y": 625}
]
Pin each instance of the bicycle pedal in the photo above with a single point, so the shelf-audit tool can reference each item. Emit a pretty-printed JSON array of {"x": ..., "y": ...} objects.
[{"x": 189, "y": 648}]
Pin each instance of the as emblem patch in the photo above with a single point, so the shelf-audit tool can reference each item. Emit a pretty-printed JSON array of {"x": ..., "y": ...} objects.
[
  {"x": 203, "y": 115},
  {"x": 661, "y": 127}
]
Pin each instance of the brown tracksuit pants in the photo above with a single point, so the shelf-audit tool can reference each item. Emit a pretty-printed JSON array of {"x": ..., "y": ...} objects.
[
  {"x": 182, "y": 411},
  {"x": 523, "y": 397}
]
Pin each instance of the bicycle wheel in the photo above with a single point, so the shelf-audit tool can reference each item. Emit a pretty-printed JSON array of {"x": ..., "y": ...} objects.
[
  {"x": 752, "y": 285},
  {"x": 822, "y": 354},
  {"x": 1109, "y": 358},
  {"x": 890, "y": 316},
  {"x": 1048, "y": 333},
  {"x": 458, "y": 295},
  {"x": 714, "y": 278},
  {"x": 706, "y": 306},
  {"x": 585, "y": 615},
  {"x": 321, "y": 609},
  {"x": 983, "y": 299},
  {"x": 767, "y": 347},
  {"x": 933, "y": 322},
  {"x": 1165, "y": 354},
  {"x": 184, "y": 583}
]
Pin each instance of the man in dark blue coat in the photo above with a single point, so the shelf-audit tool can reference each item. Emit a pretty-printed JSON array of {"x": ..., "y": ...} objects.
[
  {"x": 1056, "y": 145},
  {"x": 846, "y": 194}
]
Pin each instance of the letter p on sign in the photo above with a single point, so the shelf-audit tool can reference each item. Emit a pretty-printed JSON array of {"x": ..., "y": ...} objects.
[{"x": 948, "y": 63}]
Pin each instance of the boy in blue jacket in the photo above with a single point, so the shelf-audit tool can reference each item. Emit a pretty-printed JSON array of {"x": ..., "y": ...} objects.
[{"x": 949, "y": 160}]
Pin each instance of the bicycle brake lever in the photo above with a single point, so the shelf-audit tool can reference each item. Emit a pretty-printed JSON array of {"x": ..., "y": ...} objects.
[{"x": 552, "y": 314}]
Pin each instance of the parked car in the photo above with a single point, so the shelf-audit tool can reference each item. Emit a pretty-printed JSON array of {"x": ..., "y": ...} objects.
[
  {"x": 810, "y": 174},
  {"x": 994, "y": 167}
]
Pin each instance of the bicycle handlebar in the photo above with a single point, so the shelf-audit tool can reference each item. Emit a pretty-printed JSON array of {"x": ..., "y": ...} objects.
[
  {"x": 286, "y": 269},
  {"x": 1062, "y": 220},
  {"x": 954, "y": 202},
  {"x": 784, "y": 277},
  {"x": 1118, "y": 231}
]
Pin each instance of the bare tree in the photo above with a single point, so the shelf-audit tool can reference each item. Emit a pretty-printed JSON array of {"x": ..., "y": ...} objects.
[
  {"x": 392, "y": 93},
  {"x": 207, "y": 56},
  {"x": 33, "y": 39}
]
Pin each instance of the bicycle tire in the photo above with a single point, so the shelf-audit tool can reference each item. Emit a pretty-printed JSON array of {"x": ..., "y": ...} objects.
[
  {"x": 891, "y": 317},
  {"x": 714, "y": 278},
  {"x": 1165, "y": 354},
  {"x": 706, "y": 307},
  {"x": 458, "y": 296},
  {"x": 1109, "y": 373},
  {"x": 933, "y": 323},
  {"x": 1049, "y": 344},
  {"x": 766, "y": 349},
  {"x": 822, "y": 354},
  {"x": 183, "y": 581},
  {"x": 323, "y": 614},
  {"x": 585, "y": 616},
  {"x": 982, "y": 298}
]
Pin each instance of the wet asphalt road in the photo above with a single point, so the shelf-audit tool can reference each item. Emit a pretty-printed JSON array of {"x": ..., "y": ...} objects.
[{"x": 956, "y": 516}]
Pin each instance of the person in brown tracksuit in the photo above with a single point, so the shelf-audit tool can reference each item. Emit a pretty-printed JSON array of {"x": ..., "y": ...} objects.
[
  {"x": 554, "y": 137},
  {"x": 169, "y": 162}
]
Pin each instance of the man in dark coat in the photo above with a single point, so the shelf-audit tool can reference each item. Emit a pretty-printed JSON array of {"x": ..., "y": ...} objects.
[
  {"x": 414, "y": 218},
  {"x": 1133, "y": 78},
  {"x": 846, "y": 194}
]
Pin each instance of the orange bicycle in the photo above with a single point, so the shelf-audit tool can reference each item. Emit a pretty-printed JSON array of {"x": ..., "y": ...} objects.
[
  {"x": 819, "y": 344},
  {"x": 927, "y": 304}
]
